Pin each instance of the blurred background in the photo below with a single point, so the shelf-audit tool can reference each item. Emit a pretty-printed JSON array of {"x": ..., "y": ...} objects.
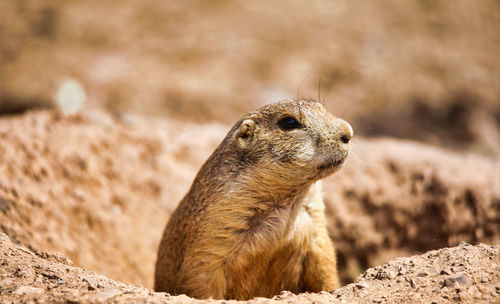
[{"x": 422, "y": 69}]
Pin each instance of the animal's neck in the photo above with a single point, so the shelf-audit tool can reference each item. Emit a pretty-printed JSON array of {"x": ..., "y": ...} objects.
[
  {"x": 262, "y": 190},
  {"x": 270, "y": 209}
]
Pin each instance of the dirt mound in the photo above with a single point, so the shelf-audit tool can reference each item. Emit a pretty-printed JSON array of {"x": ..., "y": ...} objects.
[
  {"x": 49, "y": 278},
  {"x": 465, "y": 273},
  {"x": 94, "y": 187},
  {"x": 99, "y": 188},
  {"x": 398, "y": 198}
]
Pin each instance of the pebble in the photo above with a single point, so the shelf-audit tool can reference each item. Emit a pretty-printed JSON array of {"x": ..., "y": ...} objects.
[
  {"x": 446, "y": 271},
  {"x": 462, "y": 279},
  {"x": 385, "y": 274},
  {"x": 361, "y": 285},
  {"x": 401, "y": 270},
  {"x": 410, "y": 280},
  {"x": 90, "y": 286}
]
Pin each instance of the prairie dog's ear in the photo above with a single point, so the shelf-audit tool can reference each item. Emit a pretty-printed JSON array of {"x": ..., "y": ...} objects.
[{"x": 245, "y": 132}]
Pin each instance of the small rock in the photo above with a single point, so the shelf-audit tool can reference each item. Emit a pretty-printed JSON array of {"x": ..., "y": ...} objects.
[
  {"x": 464, "y": 244},
  {"x": 51, "y": 276},
  {"x": 285, "y": 293},
  {"x": 18, "y": 273},
  {"x": 457, "y": 279},
  {"x": 401, "y": 270},
  {"x": 25, "y": 250},
  {"x": 282, "y": 295},
  {"x": 28, "y": 290},
  {"x": 90, "y": 286},
  {"x": 384, "y": 274},
  {"x": 446, "y": 271},
  {"x": 410, "y": 280}
]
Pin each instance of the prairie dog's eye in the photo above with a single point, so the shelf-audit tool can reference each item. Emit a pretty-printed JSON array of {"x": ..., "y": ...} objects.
[{"x": 289, "y": 123}]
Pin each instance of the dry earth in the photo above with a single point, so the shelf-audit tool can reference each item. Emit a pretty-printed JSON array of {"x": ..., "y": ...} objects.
[
  {"x": 397, "y": 198},
  {"x": 98, "y": 188},
  {"x": 461, "y": 274}
]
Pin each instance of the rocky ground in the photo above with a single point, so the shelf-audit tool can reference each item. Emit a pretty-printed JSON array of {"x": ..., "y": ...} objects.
[
  {"x": 98, "y": 188},
  {"x": 461, "y": 274}
]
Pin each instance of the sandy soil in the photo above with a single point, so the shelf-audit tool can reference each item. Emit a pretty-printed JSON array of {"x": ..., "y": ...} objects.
[
  {"x": 98, "y": 188},
  {"x": 88, "y": 186},
  {"x": 461, "y": 274},
  {"x": 160, "y": 84},
  {"x": 397, "y": 198}
]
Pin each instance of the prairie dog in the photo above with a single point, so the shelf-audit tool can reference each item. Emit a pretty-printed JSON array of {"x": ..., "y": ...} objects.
[{"x": 253, "y": 223}]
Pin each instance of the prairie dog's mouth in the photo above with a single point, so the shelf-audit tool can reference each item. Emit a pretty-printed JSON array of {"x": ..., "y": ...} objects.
[{"x": 331, "y": 163}]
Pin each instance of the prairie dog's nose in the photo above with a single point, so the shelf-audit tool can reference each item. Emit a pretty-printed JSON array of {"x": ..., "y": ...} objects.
[{"x": 345, "y": 130}]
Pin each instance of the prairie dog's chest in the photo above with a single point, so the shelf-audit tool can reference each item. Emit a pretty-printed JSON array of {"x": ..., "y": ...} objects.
[
  {"x": 287, "y": 256},
  {"x": 294, "y": 227},
  {"x": 311, "y": 210},
  {"x": 302, "y": 227}
]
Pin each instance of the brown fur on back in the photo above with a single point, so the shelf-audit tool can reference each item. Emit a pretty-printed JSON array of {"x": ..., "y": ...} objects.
[{"x": 253, "y": 222}]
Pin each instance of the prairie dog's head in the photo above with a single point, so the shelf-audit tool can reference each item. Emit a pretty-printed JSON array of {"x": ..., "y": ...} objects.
[{"x": 295, "y": 139}]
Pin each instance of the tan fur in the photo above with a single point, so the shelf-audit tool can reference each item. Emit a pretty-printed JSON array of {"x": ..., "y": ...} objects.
[{"x": 253, "y": 222}]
